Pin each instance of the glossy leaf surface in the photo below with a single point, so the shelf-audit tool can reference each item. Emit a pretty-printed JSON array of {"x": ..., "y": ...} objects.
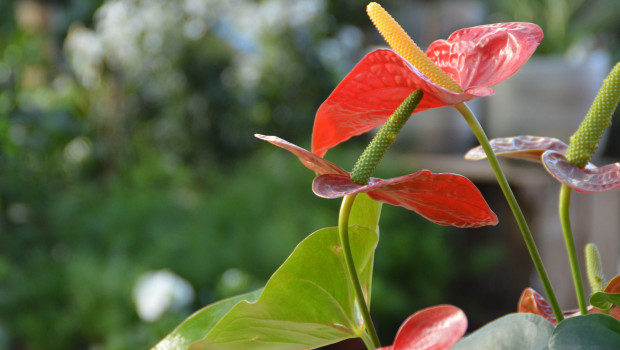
[
  {"x": 511, "y": 332},
  {"x": 298, "y": 299},
  {"x": 445, "y": 199},
  {"x": 589, "y": 179},
  {"x": 524, "y": 147},
  {"x": 200, "y": 322},
  {"x": 475, "y": 57},
  {"x": 434, "y": 328},
  {"x": 302, "y": 306},
  {"x": 594, "y": 331}
]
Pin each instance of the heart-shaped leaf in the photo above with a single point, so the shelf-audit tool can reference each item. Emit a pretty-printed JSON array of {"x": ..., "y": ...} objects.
[
  {"x": 511, "y": 332},
  {"x": 593, "y": 331},
  {"x": 199, "y": 323}
]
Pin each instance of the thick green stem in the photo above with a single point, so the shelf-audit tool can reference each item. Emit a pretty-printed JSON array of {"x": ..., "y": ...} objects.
[
  {"x": 343, "y": 229},
  {"x": 564, "y": 208},
  {"x": 514, "y": 206}
]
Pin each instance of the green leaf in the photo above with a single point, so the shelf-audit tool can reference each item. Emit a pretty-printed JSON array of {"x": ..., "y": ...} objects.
[
  {"x": 365, "y": 212},
  {"x": 605, "y": 301},
  {"x": 307, "y": 303},
  {"x": 511, "y": 332},
  {"x": 588, "y": 332},
  {"x": 195, "y": 326}
]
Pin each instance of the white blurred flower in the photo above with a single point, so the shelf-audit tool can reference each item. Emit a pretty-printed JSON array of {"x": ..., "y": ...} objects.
[
  {"x": 131, "y": 36},
  {"x": 85, "y": 53},
  {"x": 159, "y": 291},
  {"x": 78, "y": 149}
]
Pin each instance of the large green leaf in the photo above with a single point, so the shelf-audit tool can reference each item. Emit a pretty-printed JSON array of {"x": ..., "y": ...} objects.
[
  {"x": 308, "y": 302},
  {"x": 511, "y": 332},
  {"x": 200, "y": 322},
  {"x": 593, "y": 331}
]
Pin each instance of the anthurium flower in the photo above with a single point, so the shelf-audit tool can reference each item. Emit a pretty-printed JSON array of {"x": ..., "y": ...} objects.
[
  {"x": 551, "y": 153},
  {"x": 458, "y": 69},
  {"x": 532, "y": 302},
  {"x": 445, "y": 199},
  {"x": 434, "y": 328}
]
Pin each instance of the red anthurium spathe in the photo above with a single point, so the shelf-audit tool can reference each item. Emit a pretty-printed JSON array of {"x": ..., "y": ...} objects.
[
  {"x": 434, "y": 328},
  {"x": 475, "y": 58},
  {"x": 551, "y": 153},
  {"x": 445, "y": 199},
  {"x": 534, "y": 303}
]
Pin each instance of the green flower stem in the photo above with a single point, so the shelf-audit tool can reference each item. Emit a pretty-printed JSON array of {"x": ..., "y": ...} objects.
[
  {"x": 343, "y": 229},
  {"x": 514, "y": 206},
  {"x": 564, "y": 207}
]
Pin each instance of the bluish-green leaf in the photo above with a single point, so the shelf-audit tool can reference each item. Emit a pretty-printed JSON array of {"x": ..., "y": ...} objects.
[
  {"x": 588, "y": 332},
  {"x": 521, "y": 331},
  {"x": 195, "y": 326},
  {"x": 605, "y": 301}
]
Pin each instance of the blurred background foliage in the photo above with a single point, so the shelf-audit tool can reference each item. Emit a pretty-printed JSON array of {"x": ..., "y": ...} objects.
[{"x": 126, "y": 149}]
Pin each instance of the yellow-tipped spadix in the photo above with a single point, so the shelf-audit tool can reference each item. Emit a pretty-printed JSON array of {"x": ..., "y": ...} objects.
[{"x": 403, "y": 45}]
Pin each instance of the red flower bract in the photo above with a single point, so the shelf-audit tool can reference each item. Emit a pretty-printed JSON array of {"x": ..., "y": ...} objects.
[
  {"x": 550, "y": 152},
  {"x": 534, "y": 303},
  {"x": 476, "y": 58},
  {"x": 445, "y": 199},
  {"x": 434, "y": 328}
]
